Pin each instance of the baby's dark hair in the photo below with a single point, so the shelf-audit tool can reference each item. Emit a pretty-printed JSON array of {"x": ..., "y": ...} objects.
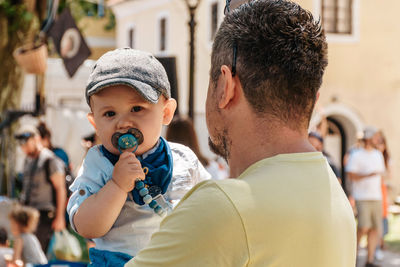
[
  {"x": 3, "y": 236},
  {"x": 26, "y": 217}
]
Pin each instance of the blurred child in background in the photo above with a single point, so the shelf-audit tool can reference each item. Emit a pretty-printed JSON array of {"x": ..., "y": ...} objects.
[
  {"x": 23, "y": 222},
  {"x": 5, "y": 250}
]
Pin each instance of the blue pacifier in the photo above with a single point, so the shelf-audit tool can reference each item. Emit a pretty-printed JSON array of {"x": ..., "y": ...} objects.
[{"x": 131, "y": 139}]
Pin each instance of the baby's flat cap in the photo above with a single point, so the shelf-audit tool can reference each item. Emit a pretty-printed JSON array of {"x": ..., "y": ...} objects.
[{"x": 134, "y": 68}]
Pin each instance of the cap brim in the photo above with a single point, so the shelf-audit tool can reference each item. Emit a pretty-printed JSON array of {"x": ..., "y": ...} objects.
[
  {"x": 146, "y": 91},
  {"x": 24, "y": 136},
  {"x": 26, "y": 130}
]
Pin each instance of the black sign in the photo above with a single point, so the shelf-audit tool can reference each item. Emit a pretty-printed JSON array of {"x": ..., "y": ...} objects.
[{"x": 69, "y": 42}]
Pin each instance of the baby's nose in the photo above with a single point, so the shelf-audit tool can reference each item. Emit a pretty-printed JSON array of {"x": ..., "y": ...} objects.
[{"x": 125, "y": 123}]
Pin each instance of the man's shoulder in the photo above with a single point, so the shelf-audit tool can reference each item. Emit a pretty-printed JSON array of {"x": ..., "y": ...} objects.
[
  {"x": 215, "y": 193},
  {"x": 46, "y": 155},
  {"x": 210, "y": 199}
]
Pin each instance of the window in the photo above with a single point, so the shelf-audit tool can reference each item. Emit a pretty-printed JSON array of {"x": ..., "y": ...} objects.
[
  {"x": 337, "y": 16},
  {"x": 214, "y": 20},
  {"x": 131, "y": 38},
  {"x": 163, "y": 33}
]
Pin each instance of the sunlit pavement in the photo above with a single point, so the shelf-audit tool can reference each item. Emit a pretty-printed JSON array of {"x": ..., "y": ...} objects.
[{"x": 389, "y": 259}]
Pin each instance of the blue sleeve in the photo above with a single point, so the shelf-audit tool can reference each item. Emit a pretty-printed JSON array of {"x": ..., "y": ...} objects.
[{"x": 95, "y": 172}]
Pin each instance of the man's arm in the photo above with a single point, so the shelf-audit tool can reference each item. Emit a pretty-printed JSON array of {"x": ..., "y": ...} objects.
[
  {"x": 205, "y": 229},
  {"x": 354, "y": 168},
  {"x": 18, "y": 244},
  {"x": 357, "y": 176},
  {"x": 58, "y": 180}
]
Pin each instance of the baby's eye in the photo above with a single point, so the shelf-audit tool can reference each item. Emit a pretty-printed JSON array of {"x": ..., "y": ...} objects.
[
  {"x": 109, "y": 113},
  {"x": 136, "y": 109}
]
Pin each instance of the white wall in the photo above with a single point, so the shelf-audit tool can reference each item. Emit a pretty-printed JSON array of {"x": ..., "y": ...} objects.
[{"x": 144, "y": 15}]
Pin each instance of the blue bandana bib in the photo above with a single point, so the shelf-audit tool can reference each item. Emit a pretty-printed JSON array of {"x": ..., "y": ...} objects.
[{"x": 159, "y": 165}]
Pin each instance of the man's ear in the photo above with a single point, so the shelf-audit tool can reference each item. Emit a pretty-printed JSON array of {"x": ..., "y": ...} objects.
[
  {"x": 227, "y": 82},
  {"x": 90, "y": 117},
  {"x": 169, "y": 110}
]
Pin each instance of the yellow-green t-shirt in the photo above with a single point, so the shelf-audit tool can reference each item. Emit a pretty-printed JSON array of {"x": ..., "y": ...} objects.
[{"x": 286, "y": 211}]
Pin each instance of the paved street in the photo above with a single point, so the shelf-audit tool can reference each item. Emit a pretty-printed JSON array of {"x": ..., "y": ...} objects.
[{"x": 390, "y": 259}]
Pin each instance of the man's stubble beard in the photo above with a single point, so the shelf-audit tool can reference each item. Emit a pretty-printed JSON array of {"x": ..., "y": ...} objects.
[{"x": 222, "y": 145}]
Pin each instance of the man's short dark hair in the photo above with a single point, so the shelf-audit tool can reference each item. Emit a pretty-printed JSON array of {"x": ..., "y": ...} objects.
[
  {"x": 3, "y": 236},
  {"x": 281, "y": 57}
]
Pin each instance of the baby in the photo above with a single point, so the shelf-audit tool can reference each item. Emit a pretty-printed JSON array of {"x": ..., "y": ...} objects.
[{"x": 127, "y": 184}]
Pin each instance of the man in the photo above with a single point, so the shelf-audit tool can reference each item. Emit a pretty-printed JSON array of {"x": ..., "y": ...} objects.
[
  {"x": 285, "y": 207},
  {"x": 365, "y": 168},
  {"x": 43, "y": 184}
]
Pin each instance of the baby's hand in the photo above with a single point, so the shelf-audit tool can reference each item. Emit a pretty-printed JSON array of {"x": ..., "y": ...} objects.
[{"x": 126, "y": 171}]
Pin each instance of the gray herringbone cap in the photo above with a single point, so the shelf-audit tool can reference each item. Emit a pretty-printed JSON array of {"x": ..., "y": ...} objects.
[{"x": 134, "y": 68}]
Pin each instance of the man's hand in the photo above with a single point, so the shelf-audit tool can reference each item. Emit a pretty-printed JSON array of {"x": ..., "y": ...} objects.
[
  {"x": 126, "y": 171},
  {"x": 58, "y": 224}
]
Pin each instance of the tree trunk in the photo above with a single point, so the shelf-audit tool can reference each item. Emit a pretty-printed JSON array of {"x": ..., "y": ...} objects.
[{"x": 11, "y": 83}]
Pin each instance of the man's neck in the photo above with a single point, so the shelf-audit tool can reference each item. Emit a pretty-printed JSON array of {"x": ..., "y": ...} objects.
[
  {"x": 369, "y": 148},
  {"x": 35, "y": 154},
  {"x": 263, "y": 141},
  {"x": 368, "y": 145}
]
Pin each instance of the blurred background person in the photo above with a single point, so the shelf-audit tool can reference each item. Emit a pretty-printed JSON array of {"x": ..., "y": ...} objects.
[
  {"x": 5, "y": 250},
  {"x": 23, "y": 222},
  {"x": 89, "y": 140},
  {"x": 380, "y": 144},
  {"x": 365, "y": 168},
  {"x": 349, "y": 183},
  {"x": 317, "y": 141},
  {"x": 182, "y": 131},
  {"x": 45, "y": 135},
  {"x": 43, "y": 184}
]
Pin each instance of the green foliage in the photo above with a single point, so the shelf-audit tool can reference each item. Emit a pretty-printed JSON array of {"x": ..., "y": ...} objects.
[
  {"x": 17, "y": 16},
  {"x": 392, "y": 239},
  {"x": 111, "y": 22},
  {"x": 17, "y": 27},
  {"x": 84, "y": 8}
]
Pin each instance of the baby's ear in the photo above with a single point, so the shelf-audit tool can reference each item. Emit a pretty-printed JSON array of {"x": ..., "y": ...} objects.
[
  {"x": 169, "y": 110},
  {"x": 90, "y": 117}
]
